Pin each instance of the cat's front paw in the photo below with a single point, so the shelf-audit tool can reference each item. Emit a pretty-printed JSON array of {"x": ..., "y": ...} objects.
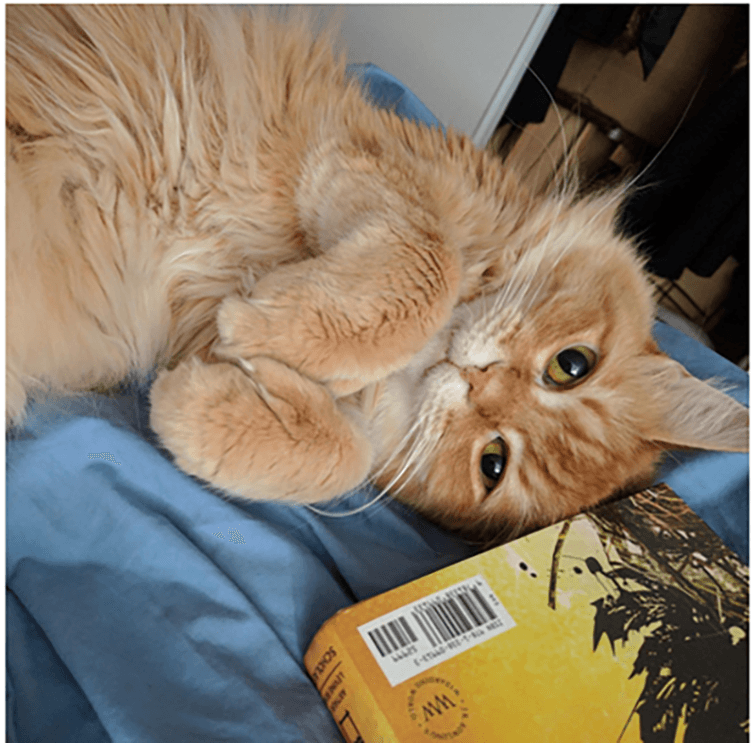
[
  {"x": 351, "y": 316},
  {"x": 265, "y": 432},
  {"x": 293, "y": 333}
]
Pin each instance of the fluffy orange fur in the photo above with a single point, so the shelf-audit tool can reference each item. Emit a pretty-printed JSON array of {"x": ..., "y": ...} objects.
[{"x": 331, "y": 293}]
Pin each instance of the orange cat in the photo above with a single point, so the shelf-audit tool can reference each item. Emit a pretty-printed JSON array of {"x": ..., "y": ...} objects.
[{"x": 332, "y": 293}]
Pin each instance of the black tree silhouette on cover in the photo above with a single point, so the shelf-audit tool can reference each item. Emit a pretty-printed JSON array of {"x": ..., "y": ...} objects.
[{"x": 673, "y": 580}]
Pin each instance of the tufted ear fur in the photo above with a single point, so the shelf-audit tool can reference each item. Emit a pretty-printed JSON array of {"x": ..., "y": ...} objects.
[{"x": 694, "y": 414}]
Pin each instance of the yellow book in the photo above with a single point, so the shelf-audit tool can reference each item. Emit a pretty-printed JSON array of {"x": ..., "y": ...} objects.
[{"x": 629, "y": 623}]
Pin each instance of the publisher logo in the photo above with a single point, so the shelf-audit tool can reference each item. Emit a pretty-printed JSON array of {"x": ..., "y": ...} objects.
[{"x": 437, "y": 708}]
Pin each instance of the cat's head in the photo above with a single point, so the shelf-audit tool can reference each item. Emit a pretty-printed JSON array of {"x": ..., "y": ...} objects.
[{"x": 546, "y": 394}]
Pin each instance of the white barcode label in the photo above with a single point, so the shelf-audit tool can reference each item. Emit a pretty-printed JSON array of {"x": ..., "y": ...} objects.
[{"x": 426, "y": 632}]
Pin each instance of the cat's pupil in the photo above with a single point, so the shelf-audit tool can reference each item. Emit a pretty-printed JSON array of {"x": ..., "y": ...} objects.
[
  {"x": 570, "y": 366},
  {"x": 492, "y": 463},
  {"x": 573, "y": 362}
]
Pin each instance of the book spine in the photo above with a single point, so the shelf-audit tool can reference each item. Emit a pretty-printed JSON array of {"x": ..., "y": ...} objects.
[{"x": 345, "y": 691}]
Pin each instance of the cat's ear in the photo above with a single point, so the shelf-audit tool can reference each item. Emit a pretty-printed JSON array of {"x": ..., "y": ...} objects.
[{"x": 693, "y": 413}]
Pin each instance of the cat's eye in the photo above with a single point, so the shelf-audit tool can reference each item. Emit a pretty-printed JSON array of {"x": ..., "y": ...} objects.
[
  {"x": 493, "y": 463},
  {"x": 570, "y": 366}
]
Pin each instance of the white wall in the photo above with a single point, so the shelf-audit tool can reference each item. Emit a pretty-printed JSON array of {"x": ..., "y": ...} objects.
[{"x": 463, "y": 61}]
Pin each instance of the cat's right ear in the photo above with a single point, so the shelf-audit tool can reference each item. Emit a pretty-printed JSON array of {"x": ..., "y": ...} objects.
[{"x": 694, "y": 413}]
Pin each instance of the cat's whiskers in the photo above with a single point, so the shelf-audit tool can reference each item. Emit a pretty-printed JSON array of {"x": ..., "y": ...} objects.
[
  {"x": 566, "y": 169},
  {"x": 565, "y": 193},
  {"x": 619, "y": 194},
  {"x": 426, "y": 437},
  {"x": 518, "y": 296},
  {"x": 210, "y": 148},
  {"x": 427, "y": 433},
  {"x": 388, "y": 489},
  {"x": 413, "y": 461},
  {"x": 402, "y": 444}
]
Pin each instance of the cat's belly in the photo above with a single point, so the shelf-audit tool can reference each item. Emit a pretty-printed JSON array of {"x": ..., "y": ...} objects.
[
  {"x": 86, "y": 303},
  {"x": 75, "y": 345}
]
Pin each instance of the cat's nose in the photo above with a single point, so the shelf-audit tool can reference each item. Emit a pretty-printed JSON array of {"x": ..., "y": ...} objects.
[
  {"x": 476, "y": 378},
  {"x": 487, "y": 384},
  {"x": 472, "y": 375}
]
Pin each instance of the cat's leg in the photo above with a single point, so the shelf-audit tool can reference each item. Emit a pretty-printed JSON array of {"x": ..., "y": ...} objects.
[
  {"x": 264, "y": 432},
  {"x": 352, "y": 315}
]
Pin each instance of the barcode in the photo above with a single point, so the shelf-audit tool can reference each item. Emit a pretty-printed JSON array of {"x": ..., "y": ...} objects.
[
  {"x": 426, "y": 632},
  {"x": 444, "y": 619},
  {"x": 392, "y": 636}
]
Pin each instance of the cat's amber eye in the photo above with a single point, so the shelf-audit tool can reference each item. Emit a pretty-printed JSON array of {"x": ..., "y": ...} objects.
[
  {"x": 493, "y": 463},
  {"x": 570, "y": 366}
]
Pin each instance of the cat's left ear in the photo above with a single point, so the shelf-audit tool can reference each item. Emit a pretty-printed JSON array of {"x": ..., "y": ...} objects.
[{"x": 693, "y": 413}]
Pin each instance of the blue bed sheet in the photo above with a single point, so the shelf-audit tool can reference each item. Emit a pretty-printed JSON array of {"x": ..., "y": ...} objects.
[{"x": 141, "y": 606}]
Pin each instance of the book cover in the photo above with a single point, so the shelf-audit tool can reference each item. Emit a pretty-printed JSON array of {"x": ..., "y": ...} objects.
[{"x": 629, "y": 623}]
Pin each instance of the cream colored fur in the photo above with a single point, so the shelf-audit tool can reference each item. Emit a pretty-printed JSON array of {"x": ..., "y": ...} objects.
[{"x": 330, "y": 292}]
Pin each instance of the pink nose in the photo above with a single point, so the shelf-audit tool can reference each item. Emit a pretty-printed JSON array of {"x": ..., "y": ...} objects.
[
  {"x": 487, "y": 386},
  {"x": 476, "y": 378}
]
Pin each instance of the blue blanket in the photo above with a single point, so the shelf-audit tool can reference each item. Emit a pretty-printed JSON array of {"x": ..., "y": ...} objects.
[{"x": 142, "y": 607}]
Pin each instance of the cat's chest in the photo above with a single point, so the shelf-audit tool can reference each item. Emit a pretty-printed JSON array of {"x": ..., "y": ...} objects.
[{"x": 395, "y": 406}]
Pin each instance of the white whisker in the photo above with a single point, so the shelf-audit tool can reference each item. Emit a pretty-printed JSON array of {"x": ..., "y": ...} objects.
[
  {"x": 416, "y": 426},
  {"x": 624, "y": 190},
  {"x": 412, "y": 459},
  {"x": 352, "y": 512},
  {"x": 562, "y": 130},
  {"x": 525, "y": 288}
]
